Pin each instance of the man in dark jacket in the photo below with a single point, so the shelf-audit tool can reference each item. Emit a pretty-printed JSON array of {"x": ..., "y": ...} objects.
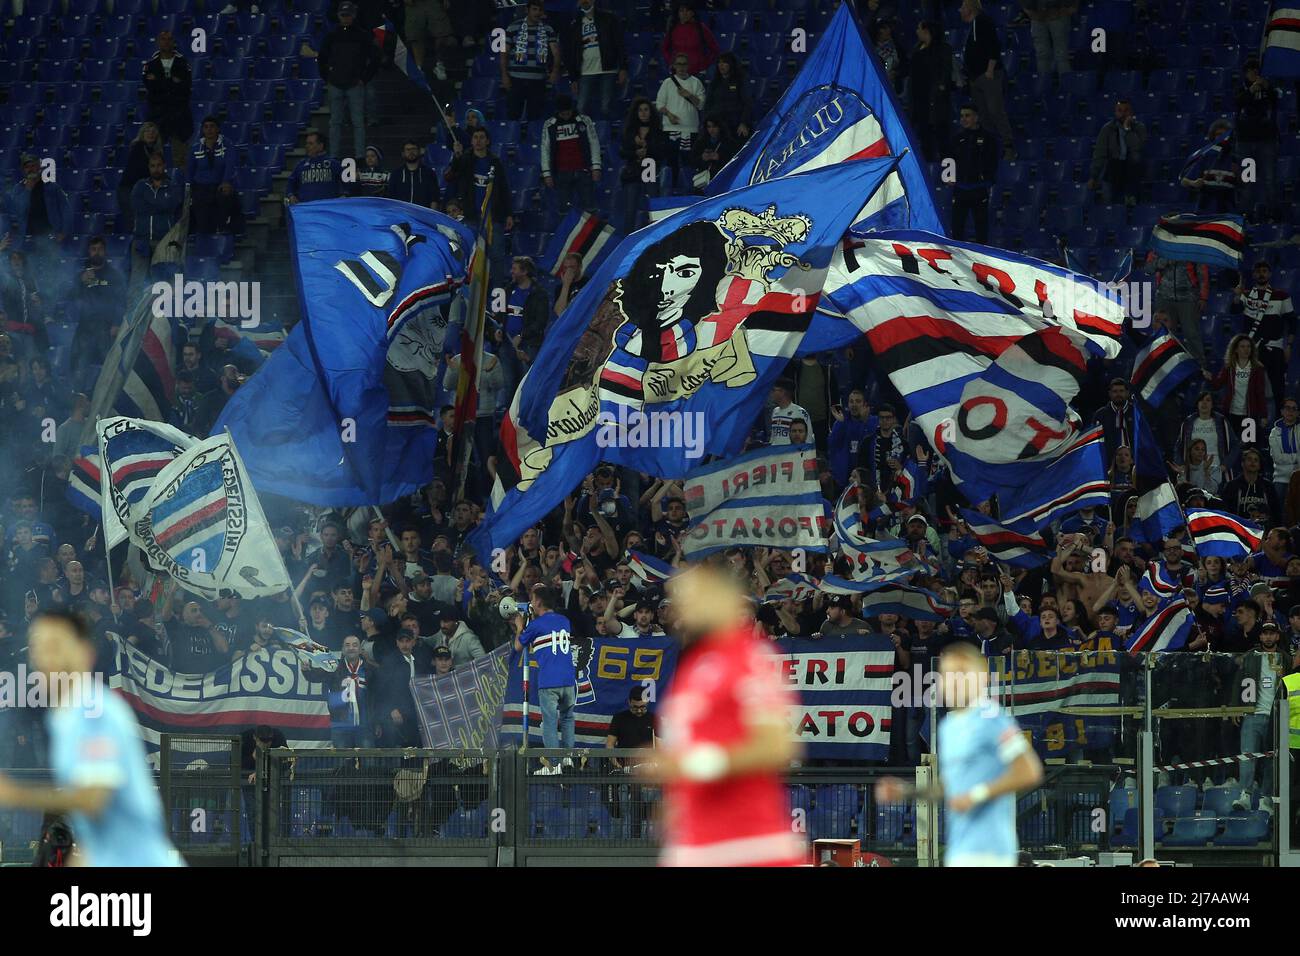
[
  {"x": 472, "y": 170},
  {"x": 99, "y": 296},
  {"x": 594, "y": 55},
  {"x": 167, "y": 82},
  {"x": 393, "y": 705},
  {"x": 37, "y": 211},
  {"x": 1116, "y": 419},
  {"x": 1117, "y": 156},
  {"x": 976, "y": 153},
  {"x": 413, "y": 181},
  {"x": 156, "y": 203},
  {"x": 982, "y": 68},
  {"x": 1257, "y": 137},
  {"x": 214, "y": 204},
  {"x": 348, "y": 60},
  {"x": 527, "y": 307}
]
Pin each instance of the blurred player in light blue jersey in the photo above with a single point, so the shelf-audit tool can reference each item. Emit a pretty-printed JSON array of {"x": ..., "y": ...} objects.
[
  {"x": 103, "y": 782},
  {"x": 984, "y": 761}
]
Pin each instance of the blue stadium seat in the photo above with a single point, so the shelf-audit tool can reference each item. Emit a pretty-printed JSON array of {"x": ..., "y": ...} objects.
[
  {"x": 100, "y": 201},
  {"x": 282, "y": 46},
  {"x": 268, "y": 155},
  {"x": 1218, "y": 800},
  {"x": 256, "y": 180},
  {"x": 284, "y": 133},
  {"x": 1245, "y": 829},
  {"x": 56, "y": 71},
  {"x": 1166, "y": 81},
  {"x": 464, "y": 824},
  {"x": 256, "y": 91},
  {"x": 225, "y": 68},
  {"x": 1176, "y": 801},
  {"x": 1124, "y": 83},
  {"x": 243, "y": 112},
  {"x": 266, "y": 69},
  {"x": 1191, "y": 831},
  {"x": 221, "y": 248},
  {"x": 239, "y": 45},
  {"x": 98, "y": 70}
]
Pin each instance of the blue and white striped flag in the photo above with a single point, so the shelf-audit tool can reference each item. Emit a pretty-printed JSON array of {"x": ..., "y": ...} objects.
[
  {"x": 132, "y": 453},
  {"x": 1168, "y": 629},
  {"x": 1217, "y": 240},
  {"x": 201, "y": 523},
  {"x": 1281, "y": 57},
  {"x": 1223, "y": 535},
  {"x": 1161, "y": 368}
]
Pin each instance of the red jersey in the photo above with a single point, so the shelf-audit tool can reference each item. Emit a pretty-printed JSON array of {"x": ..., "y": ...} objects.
[{"x": 719, "y": 688}]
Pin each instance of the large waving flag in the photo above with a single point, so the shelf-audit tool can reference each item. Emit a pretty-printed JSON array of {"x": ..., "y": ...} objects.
[
  {"x": 132, "y": 454},
  {"x": 137, "y": 378},
  {"x": 1161, "y": 368},
  {"x": 1281, "y": 57},
  {"x": 1219, "y": 534},
  {"x": 1203, "y": 157},
  {"x": 1217, "y": 240},
  {"x": 1073, "y": 481},
  {"x": 940, "y": 316},
  {"x": 343, "y": 412},
  {"x": 839, "y": 107},
  {"x": 675, "y": 340},
  {"x": 201, "y": 523},
  {"x": 648, "y": 570}
]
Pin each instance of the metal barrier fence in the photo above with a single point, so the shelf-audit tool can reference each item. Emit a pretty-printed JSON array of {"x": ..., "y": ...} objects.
[
  {"x": 20, "y": 830},
  {"x": 199, "y": 783},
  {"x": 1171, "y": 755}
]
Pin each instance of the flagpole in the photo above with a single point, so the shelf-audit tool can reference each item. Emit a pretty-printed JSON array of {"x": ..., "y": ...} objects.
[{"x": 108, "y": 569}]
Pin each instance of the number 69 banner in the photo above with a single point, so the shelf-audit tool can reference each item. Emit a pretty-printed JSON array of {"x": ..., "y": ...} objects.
[{"x": 608, "y": 669}]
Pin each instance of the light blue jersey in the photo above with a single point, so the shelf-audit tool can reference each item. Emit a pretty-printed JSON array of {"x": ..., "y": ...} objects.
[
  {"x": 89, "y": 749},
  {"x": 977, "y": 745}
]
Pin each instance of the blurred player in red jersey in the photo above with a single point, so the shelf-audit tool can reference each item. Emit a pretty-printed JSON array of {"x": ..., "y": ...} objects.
[{"x": 725, "y": 736}]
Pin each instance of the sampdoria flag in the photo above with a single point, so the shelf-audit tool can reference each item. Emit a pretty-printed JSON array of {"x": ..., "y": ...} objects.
[
  {"x": 132, "y": 454},
  {"x": 402, "y": 58},
  {"x": 675, "y": 340},
  {"x": 1218, "y": 240},
  {"x": 840, "y": 107},
  {"x": 201, "y": 523},
  {"x": 1167, "y": 629},
  {"x": 1074, "y": 480},
  {"x": 583, "y": 234},
  {"x": 647, "y": 569},
  {"x": 1161, "y": 368},
  {"x": 1281, "y": 57},
  {"x": 1219, "y": 534},
  {"x": 1019, "y": 550},
  {"x": 890, "y": 594},
  {"x": 1159, "y": 514},
  {"x": 1204, "y": 157},
  {"x": 343, "y": 413},
  {"x": 941, "y": 315},
  {"x": 137, "y": 378},
  {"x": 83, "y": 481}
]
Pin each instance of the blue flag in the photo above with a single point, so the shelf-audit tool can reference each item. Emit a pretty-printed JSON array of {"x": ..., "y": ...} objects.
[
  {"x": 1158, "y": 512},
  {"x": 343, "y": 412},
  {"x": 669, "y": 350},
  {"x": 840, "y": 107},
  {"x": 1217, "y": 240},
  {"x": 1281, "y": 57}
]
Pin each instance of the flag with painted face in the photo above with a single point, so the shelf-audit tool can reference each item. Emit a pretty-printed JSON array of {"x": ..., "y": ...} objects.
[
  {"x": 201, "y": 522},
  {"x": 668, "y": 351},
  {"x": 132, "y": 453}
]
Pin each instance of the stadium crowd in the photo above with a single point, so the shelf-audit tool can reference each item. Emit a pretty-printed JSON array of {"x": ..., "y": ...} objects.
[{"x": 401, "y": 588}]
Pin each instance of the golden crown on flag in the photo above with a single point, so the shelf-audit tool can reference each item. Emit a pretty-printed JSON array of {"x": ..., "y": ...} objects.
[{"x": 756, "y": 261}]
